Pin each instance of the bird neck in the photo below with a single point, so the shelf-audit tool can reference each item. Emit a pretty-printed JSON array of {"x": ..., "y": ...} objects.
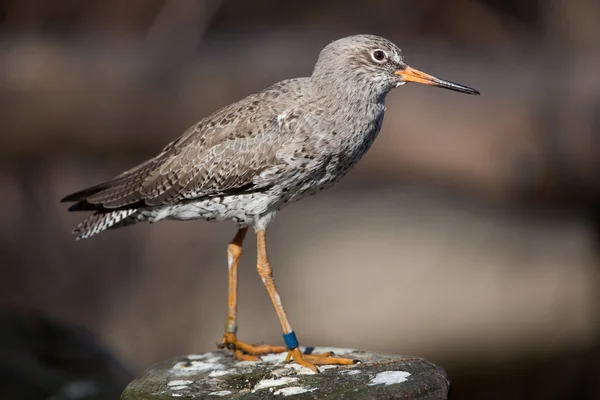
[{"x": 359, "y": 100}]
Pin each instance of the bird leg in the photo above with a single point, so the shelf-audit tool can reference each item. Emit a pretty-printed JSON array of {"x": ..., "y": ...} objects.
[
  {"x": 266, "y": 274},
  {"x": 241, "y": 351}
]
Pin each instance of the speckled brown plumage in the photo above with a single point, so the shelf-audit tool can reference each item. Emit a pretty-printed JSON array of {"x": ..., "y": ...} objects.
[{"x": 251, "y": 158}]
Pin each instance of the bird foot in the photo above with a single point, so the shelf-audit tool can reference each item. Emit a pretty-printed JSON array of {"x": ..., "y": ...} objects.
[
  {"x": 312, "y": 360},
  {"x": 247, "y": 352}
]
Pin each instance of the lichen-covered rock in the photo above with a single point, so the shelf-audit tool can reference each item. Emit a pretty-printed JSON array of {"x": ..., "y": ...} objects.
[{"x": 217, "y": 374}]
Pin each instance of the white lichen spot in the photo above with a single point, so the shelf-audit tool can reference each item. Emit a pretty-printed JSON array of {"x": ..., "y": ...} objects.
[
  {"x": 389, "y": 378},
  {"x": 351, "y": 372},
  {"x": 216, "y": 374},
  {"x": 325, "y": 367},
  {"x": 267, "y": 383},
  {"x": 274, "y": 357},
  {"x": 178, "y": 387},
  {"x": 196, "y": 357},
  {"x": 191, "y": 367},
  {"x": 245, "y": 363},
  {"x": 300, "y": 369},
  {"x": 221, "y": 393},
  {"x": 336, "y": 350},
  {"x": 176, "y": 395},
  {"x": 179, "y": 382},
  {"x": 292, "y": 390}
]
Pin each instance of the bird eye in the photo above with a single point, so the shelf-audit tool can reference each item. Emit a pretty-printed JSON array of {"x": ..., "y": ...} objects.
[{"x": 378, "y": 55}]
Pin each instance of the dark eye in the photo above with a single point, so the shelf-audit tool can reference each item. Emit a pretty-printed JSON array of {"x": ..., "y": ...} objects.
[{"x": 379, "y": 55}]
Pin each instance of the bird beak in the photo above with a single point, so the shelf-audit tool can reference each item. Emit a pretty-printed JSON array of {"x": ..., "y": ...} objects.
[{"x": 409, "y": 74}]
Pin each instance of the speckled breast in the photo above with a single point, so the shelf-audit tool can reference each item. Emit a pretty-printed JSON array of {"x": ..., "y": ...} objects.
[{"x": 336, "y": 164}]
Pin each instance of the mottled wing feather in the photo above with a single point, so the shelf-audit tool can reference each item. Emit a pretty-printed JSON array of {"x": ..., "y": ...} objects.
[
  {"x": 229, "y": 166},
  {"x": 221, "y": 153},
  {"x": 123, "y": 190}
]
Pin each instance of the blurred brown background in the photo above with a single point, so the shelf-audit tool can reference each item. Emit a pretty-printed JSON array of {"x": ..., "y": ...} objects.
[{"x": 469, "y": 235}]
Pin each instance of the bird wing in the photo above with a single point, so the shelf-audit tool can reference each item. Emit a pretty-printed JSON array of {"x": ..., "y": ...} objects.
[{"x": 222, "y": 154}]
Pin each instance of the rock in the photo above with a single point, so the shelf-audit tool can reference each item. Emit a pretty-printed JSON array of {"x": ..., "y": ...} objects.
[{"x": 217, "y": 374}]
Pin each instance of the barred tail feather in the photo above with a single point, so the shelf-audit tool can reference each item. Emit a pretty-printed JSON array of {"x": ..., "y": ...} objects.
[{"x": 101, "y": 221}]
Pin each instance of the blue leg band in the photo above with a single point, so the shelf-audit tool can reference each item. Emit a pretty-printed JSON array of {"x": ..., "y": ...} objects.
[{"x": 290, "y": 340}]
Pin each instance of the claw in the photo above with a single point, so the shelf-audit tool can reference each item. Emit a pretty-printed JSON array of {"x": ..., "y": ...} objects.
[
  {"x": 311, "y": 360},
  {"x": 241, "y": 356},
  {"x": 246, "y": 352}
]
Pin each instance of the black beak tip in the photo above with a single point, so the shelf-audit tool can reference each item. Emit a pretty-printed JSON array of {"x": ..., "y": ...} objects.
[
  {"x": 456, "y": 87},
  {"x": 463, "y": 89}
]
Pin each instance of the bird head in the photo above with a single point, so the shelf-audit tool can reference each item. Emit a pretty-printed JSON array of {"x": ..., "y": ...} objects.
[{"x": 376, "y": 63}]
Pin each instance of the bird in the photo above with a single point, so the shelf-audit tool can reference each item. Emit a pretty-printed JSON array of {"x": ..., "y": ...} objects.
[{"x": 247, "y": 161}]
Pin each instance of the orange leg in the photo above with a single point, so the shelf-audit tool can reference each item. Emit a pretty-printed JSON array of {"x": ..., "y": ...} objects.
[
  {"x": 241, "y": 351},
  {"x": 266, "y": 273}
]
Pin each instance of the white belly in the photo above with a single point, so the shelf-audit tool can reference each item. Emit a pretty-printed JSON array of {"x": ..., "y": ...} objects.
[{"x": 242, "y": 209}]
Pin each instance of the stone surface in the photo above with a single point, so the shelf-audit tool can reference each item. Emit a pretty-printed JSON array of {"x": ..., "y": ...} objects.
[{"x": 217, "y": 374}]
